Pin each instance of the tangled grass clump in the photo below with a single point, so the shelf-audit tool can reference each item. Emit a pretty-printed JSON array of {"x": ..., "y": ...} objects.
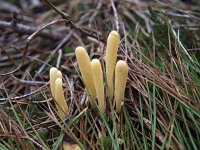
[{"x": 82, "y": 106}]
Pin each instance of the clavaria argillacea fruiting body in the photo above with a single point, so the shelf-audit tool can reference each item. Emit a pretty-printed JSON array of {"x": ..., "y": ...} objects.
[
  {"x": 54, "y": 74},
  {"x": 98, "y": 80},
  {"x": 121, "y": 75},
  {"x": 86, "y": 71},
  {"x": 111, "y": 56},
  {"x": 62, "y": 106},
  {"x": 69, "y": 146},
  {"x": 56, "y": 86},
  {"x": 93, "y": 76}
]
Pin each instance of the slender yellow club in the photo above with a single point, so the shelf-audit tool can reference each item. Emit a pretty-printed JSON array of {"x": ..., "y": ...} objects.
[
  {"x": 86, "y": 72},
  {"x": 54, "y": 74},
  {"x": 98, "y": 81},
  {"x": 57, "y": 92},
  {"x": 121, "y": 75},
  {"x": 69, "y": 146},
  {"x": 60, "y": 99},
  {"x": 111, "y": 56}
]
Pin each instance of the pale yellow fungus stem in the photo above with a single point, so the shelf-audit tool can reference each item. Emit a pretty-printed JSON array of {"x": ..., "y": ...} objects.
[
  {"x": 57, "y": 92},
  {"x": 53, "y": 77},
  {"x": 86, "y": 72},
  {"x": 59, "y": 74},
  {"x": 60, "y": 99},
  {"x": 54, "y": 74},
  {"x": 98, "y": 81},
  {"x": 121, "y": 75},
  {"x": 69, "y": 146},
  {"x": 111, "y": 56}
]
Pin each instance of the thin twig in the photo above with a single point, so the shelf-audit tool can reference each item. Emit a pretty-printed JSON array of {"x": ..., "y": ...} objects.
[
  {"x": 8, "y": 7},
  {"x": 26, "y": 29},
  {"x": 116, "y": 15},
  {"x": 59, "y": 58},
  {"x": 64, "y": 40},
  {"x": 31, "y": 83},
  {"x": 26, "y": 95},
  {"x": 74, "y": 26},
  {"x": 100, "y": 3},
  {"x": 29, "y": 39}
]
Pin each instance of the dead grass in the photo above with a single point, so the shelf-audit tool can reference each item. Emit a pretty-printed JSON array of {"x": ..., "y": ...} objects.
[{"x": 159, "y": 41}]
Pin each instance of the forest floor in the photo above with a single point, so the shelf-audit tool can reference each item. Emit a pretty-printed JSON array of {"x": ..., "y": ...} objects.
[{"x": 159, "y": 40}]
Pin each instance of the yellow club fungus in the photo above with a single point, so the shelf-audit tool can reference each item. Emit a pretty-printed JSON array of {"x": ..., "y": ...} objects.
[
  {"x": 54, "y": 74},
  {"x": 98, "y": 81},
  {"x": 111, "y": 56},
  {"x": 57, "y": 92},
  {"x": 121, "y": 75},
  {"x": 60, "y": 99},
  {"x": 86, "y": 72},
  {"x": 69, "y": 146}
]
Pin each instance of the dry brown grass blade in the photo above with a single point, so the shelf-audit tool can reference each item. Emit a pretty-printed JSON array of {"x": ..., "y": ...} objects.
[
  {"x": 10, "y": 124},
  {"x": 162, "y": 81}
]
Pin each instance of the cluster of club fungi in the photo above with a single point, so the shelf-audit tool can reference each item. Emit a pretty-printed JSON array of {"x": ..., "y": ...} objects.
[{"x": 92, "y": 75}]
